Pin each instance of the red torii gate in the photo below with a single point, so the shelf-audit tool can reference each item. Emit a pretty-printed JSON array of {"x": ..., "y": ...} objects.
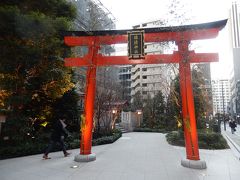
[{"x": 182, "y": 36}]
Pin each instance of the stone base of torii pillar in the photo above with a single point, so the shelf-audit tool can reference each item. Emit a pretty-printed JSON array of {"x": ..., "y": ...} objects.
[
  {"x": 85, "y": 158},
  {"x": 194, "y": 164}
]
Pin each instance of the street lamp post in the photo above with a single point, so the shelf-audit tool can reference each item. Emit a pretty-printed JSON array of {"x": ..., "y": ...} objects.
[
  {"x": 224, "y": 120},
  {"x": 114, "y": 112},
  {"x": 219, "y": 123},
  {"x": 2, "y": 120},
  {"x": 139, "y": 113},
  {"x": 238, "y": 119}
]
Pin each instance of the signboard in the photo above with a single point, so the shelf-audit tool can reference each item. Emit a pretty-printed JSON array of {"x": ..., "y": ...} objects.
[
  {"x": 2, "y": 118},
  {"x": 136, "y": 44}
]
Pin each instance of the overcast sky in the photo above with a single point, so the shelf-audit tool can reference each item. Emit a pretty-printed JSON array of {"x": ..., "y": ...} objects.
[{"x": 132, "y": 12}]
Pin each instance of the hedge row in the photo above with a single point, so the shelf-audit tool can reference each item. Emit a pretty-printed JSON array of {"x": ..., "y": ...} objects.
[
  {"x": 206, "y": 140},
  {"x": 34, "y": 147},
  {"x": 75, "y": 143},
  {"x": 150, "y": 130}
]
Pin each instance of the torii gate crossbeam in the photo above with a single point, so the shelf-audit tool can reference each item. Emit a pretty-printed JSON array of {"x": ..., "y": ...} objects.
[{"x": 182, "y": 36}]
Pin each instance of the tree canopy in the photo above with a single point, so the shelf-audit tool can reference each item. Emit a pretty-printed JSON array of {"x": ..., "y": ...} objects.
[
  {"x": 201, "y": 99},
  {"x": 154, "y": 111},
  {"x": 32, "y": 73}
]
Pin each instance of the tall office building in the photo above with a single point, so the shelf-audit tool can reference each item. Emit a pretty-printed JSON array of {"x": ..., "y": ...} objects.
[
  {"x": 234, "y": 24},
  {"x": 149, "y": 79},
  {"x": 130, "y": 77},
  {"x": 221, "y": 95},
  {"x": 205, "y": 70},
  {"x": 93, "y": 15},
  {"x": 125, "y": 81}
]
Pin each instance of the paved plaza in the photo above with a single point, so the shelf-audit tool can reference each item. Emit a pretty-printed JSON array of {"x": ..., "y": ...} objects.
[{"x": 135, "y": 156}]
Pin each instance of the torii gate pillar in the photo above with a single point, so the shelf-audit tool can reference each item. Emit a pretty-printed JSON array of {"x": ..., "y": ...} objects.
[
  {"x": 188, "y": 112},
  {"x": 87, "y": 121}
]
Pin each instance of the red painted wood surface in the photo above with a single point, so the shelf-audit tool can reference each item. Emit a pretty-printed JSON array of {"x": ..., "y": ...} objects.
[
  {"x": 188, "y": 111},
  {"x": 87, "y": 126},
  {"x": 149, "y": 59}
]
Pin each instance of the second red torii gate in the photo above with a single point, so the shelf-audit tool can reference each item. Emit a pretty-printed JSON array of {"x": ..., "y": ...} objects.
[{"x": 182, "y": 36}]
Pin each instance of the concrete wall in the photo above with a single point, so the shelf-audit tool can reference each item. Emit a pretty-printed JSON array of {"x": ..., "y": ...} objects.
[{"x": 130, "y": 120}]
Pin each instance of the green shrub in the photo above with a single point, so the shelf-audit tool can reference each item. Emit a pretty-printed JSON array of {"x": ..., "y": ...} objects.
[
  {"x": 206, "y": 140},
  {"x": 107, "y": 139},
  {"x": 175, "y": 138},
  {"x": 74, "y": 144},
  {"x": 37, "y": 146},
  {"x": 24, "y": 149},
  {"x": 150, "y": 130}
]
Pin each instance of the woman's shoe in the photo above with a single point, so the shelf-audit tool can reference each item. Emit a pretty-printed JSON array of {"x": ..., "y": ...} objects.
[
  {"x": 46, "y": 157},
  {"x": 66, "y": 154}
]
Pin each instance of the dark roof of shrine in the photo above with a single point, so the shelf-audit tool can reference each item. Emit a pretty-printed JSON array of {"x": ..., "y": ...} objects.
[
  {"x": 117, "y": 103},
  {"x": 216, "y": 24}
]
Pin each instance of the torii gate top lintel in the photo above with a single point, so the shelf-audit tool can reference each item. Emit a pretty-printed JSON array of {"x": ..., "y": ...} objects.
[
  {"x": 210, "y": 25},
  {"x": 94, "y": 39}
]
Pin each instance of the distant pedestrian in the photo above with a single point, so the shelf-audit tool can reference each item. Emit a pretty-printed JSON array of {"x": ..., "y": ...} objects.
[
  {"x": 233, "y": 126},
  {"x": 57, "y": 136}
]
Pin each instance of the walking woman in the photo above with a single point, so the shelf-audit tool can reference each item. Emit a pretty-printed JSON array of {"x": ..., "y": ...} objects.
[
  {"x": 232, "y": 125},
  {"x": 57, "y": 136}
]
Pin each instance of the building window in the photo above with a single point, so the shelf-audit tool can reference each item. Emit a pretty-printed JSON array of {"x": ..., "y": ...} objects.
[
  {"x": 144, "y": 69},
  {"x": 144, "y": 84},
  {"x": 144, "y": 77},
  {"x": 137, "y": 26}
]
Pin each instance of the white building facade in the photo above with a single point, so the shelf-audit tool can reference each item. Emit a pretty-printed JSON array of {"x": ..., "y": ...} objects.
[
  {"x": 149, "y": 79},
  {"x": 234, "y": 24},
  {"x": 124, "y": 76},
  {"x": 221, "y": 93}
]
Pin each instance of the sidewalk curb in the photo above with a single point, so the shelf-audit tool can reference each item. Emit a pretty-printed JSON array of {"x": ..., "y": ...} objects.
[{"x": 237, "y": 148}]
